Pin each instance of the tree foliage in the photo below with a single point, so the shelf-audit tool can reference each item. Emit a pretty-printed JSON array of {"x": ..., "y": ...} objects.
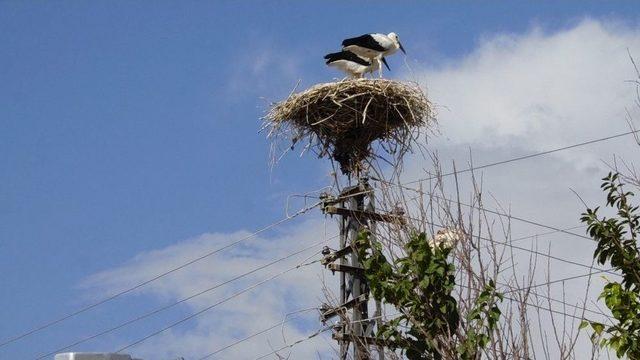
[
  {"x": 420, "y": 286},
  {"x": 617, "y": 245}
]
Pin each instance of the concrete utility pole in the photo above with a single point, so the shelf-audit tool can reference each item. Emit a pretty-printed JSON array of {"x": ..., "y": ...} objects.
[{"x": 355, "y": 206}]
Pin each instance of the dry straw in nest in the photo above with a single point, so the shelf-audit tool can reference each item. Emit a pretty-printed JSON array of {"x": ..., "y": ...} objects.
[{"x": 343, "y": 119}]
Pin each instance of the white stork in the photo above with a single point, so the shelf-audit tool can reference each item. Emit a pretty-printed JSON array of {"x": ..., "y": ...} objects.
[
  {"x": 374, "y": 46},
  {"x": 353, "y": 65}
]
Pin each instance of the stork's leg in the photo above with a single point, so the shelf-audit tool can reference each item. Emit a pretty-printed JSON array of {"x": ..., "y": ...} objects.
[{"x": 379, "y": 67}]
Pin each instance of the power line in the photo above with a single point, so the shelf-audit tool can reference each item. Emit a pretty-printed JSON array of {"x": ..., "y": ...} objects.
[
  {"x": 536, "y": 235},
  {"x": 324, "y": 329},
  {"x": 200, "y": 312},
  {"x": 590, "y": 267},
  {"x": 567, "y": 261},
  {"x": 327, "y": 328},
  {"x": 249, "y": 337},
  {"x": 547, "y": 233},
  {"x": 320, "y": 331},
  {"x": 535, "y": 252},
  {"x": 331, "y": 326},
  {"x": 568, "y": 304},
  {"x": 553, "y": 229},
  {"x": 536, "y": 306},
  {"x": 112, "y": 297},
  {"x": 506, "y": 297},
  {"x": 509, "y": 216},
  {"x": 163, "y": 308},
  {"x": 529, "y": 156},
  {"x": 549, "y": 309},
  {"x": 531, "y": 222},
  {"x": 551, "y": 282},
  {"x": 51, "y": 323},
  {"x": 510, "y": 244},
  {"x": 473, "y": 168},
  {"x": 495, "y": 212},
  {"x": 146, "y": 282},
  {"x": 512, "y": 290}
]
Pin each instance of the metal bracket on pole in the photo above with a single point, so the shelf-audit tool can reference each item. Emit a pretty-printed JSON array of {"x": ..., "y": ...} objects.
[
  {"x": 327, "y": 312},
  {"x": 331, "y": 256},
  {"x": 363, "y": 214},
  {"x": 345, "y": 268},
  {"x": 346, "y": 337}
]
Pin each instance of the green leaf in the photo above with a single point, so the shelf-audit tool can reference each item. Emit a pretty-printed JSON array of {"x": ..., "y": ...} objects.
[
  {"x": 583, "y": 324},
  {"x": 597, "y": 327}
]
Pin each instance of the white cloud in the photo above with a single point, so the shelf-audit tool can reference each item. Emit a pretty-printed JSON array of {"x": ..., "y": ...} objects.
[{"x": 538, "y": 90}]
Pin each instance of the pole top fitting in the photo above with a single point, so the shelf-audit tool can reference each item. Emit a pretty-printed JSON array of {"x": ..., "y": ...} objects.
[{"x": 326, "y": 200}]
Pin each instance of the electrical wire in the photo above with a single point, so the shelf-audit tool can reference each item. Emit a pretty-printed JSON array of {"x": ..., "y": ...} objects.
[
  {"x": 551, "y": 282},
  {"x": 190, "y": 297},
  {"x": 529, "y": 156},
  {"x": 495, "y": 212},
  {"x": 202, "y": 311},
  {"x": 545, "y": 233},
  {"x": 324, "y": 329},
  {"x": 508, "y": 244},
  {"x": 112, "y": 297},
  {"x": 249, "y": 337},
  {"x": 473, "y": 168},
  {"x": 537, "y": 306},
  {"x": 320, "y": 331},
  {"x": 146, "y": 282},
  {"x": 556, "y": 300}
]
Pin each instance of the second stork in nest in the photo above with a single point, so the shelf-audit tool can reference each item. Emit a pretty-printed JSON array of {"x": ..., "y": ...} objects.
[{"x": 353, "y": 65}]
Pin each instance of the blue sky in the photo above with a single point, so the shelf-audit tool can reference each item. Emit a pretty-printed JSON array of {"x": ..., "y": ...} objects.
[{"x": 130, "y": 126}]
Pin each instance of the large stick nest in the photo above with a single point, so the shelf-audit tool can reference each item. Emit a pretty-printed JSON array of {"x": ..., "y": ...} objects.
[{"x": 343, "y": 119}]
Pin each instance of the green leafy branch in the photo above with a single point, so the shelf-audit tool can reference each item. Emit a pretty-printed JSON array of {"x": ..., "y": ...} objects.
[
  {"x": 420, "y": 286},
  {"x": 617, "y": 246}
]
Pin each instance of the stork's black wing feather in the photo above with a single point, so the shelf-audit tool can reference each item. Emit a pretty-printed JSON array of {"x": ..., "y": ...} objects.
[
  {"x": 366, "y": 41},
  {"x": 346, "y": 55}
]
